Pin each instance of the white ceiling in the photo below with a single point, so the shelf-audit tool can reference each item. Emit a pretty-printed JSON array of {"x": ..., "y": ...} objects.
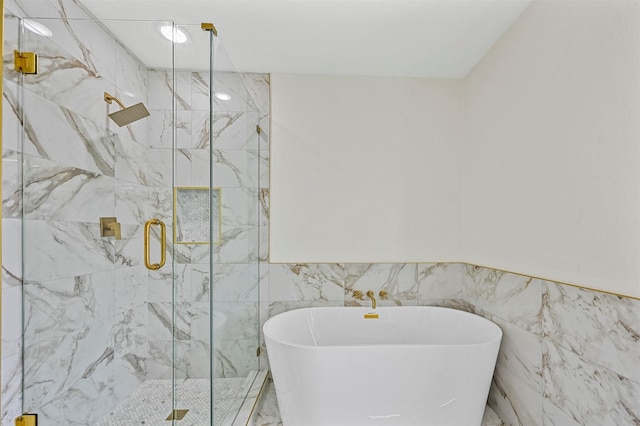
[{"x": 407, "y": 38}]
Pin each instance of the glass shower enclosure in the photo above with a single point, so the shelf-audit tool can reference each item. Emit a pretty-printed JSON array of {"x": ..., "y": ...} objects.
[{"x": 135, "y": 248}]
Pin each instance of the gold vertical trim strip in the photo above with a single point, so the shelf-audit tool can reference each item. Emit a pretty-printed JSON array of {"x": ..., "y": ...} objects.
[
  {"x": 259, "y": 397},
  {"x": 536, "y": 277},
  {"x": 269, "y": 171},
  {"x": 522, "y": 274}
]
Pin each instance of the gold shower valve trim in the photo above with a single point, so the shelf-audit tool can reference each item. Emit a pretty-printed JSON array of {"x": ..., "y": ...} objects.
[{"x": 109, "y": 227}]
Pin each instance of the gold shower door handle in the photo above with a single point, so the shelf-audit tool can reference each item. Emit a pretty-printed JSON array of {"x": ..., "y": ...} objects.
[{"x": 147, "y": 244}]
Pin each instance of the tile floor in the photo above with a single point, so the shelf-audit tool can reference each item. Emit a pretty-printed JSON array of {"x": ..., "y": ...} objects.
[
  {"x": 150, "y": 404},
  {"x": 267, "y": 413}
]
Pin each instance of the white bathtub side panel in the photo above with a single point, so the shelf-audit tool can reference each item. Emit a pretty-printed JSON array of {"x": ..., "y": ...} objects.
[{"x": 381, "y": 386}]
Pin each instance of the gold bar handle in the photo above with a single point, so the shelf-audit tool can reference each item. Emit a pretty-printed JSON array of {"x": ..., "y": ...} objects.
[{"x": 147, "y": 244}]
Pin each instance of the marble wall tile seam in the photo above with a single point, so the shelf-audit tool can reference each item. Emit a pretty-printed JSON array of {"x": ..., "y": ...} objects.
[
  {"x": 491, "y": 316},
  {"x": 517, "y": 382},
  {"x": 520, "y": 355},
  {"x": 89, "y": 110},
  {"x": 587, "y": 392},
  {"x": 552, "y": 415},
  {"x": 92, "y": 148},
  {"x": 444, "y": 303},
  {"x": 74, "y": 14},
  {"x": 594, "y": 362},
  {"x": 546, "y": 339},
  {"x": 10, "y": 279},
  {"x": 514, "y": 298},
  {"x": 514, "y": 402},
  {"x": 602, "y": 328},
  {"x": 82, "y": 59},
  {"x": 59, "y": 194}
]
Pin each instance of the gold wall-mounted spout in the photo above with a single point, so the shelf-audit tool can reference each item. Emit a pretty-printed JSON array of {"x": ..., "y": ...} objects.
[
  {"x": 109, "y": 227},
  {"x": 371, "y": 296}
]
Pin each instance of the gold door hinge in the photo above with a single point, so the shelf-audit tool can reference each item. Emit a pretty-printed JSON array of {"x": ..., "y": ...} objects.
[
  {"x": 177, "y": 414},
  {"x": 25, "y": 62},
  {"x": 258, "y": 129},
  {"x": 208, "y": 26},
  {"x": 258, "y": 351},
  {"x": 27, "y": 420}
]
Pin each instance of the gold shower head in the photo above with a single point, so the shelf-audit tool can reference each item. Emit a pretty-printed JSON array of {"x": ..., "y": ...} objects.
[{"x": 126, "y": 115}]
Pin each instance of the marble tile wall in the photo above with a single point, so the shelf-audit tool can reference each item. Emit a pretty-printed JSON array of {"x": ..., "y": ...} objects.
[
  {"x": 569, "y": 356},
  {"x": 294, "y": 286},
  {"x": 92, "y": 310},
  {"x": 556, "y": 366},
  {"x": 240, "y": 164},
  {"x": 84, "y": 295}
]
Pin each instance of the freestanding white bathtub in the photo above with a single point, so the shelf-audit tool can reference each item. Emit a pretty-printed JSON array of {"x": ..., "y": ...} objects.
[{"x": 411, "y": 366}]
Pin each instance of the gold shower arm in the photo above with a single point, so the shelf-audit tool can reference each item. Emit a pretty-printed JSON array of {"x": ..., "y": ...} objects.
[{"x": 109, "y": 98}]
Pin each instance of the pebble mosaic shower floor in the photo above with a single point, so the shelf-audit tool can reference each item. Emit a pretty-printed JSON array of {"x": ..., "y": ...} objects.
[{"x": 150, "y": 403}]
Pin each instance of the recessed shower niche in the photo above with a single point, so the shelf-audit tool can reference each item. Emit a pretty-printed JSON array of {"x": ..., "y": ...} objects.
[{"x": 197, "y": 218}]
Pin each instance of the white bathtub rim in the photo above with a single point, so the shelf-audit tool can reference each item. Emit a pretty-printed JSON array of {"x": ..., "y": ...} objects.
[{"x": 497, "y": 337}]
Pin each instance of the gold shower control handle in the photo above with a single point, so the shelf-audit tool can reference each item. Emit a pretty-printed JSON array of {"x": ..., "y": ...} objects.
[
  {"x": 115, "y": 228},
  {"x": 109, "y": 227},
  {"x": 147, "y": 244}
]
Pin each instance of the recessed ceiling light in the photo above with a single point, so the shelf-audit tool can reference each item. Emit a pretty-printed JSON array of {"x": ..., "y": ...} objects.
[
  {"x": 173, "y": 34},
  {"x": 222, "y": 96},
  {"x": 37, "y": 28}
]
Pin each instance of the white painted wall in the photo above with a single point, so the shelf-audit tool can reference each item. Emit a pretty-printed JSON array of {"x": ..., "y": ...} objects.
[
  {"x": 552, "y": 156},
  {"x": 365, "y": 169},
  {"x": 370, "y": 169}
]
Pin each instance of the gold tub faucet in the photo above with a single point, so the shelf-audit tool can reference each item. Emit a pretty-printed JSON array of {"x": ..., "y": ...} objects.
[{"x": 371, "y": 296}]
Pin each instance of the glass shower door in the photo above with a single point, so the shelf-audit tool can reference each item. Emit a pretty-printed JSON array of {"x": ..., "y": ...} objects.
[
  {"x": 99, "y": 327},
  {"x": 217, "y": 195},
  {"x": 106, "y": 337}
]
